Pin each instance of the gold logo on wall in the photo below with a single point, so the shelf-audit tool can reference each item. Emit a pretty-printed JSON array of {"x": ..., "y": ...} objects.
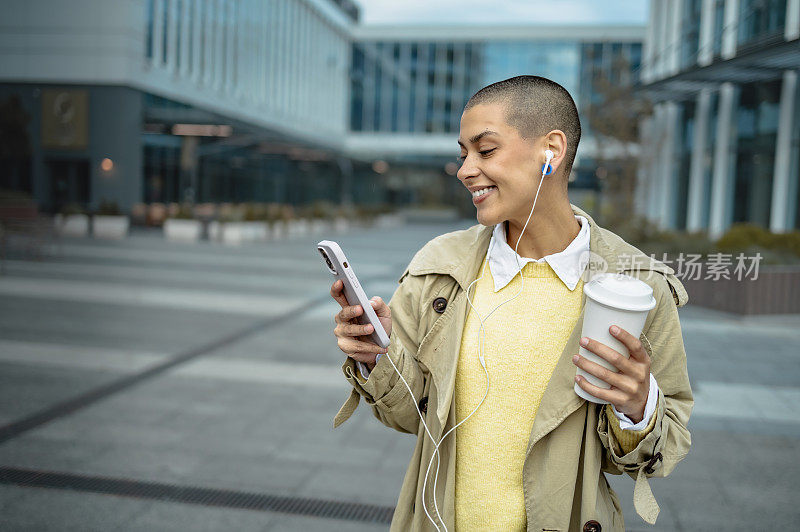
[{"x": 65, "y": 119}]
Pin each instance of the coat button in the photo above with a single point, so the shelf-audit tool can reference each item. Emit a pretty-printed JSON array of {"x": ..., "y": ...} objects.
[
  {"x": 423, "y": 405},
  {"x": 649, "y": 469},
  {"x": 592, "y": 526},
  {"x": 439, "y": 304}
]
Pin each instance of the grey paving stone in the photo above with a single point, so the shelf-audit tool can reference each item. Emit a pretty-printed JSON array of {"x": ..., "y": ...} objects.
[
  {"x": 26, "y": 389},
  {"x": 115, "y": 326},
  {"x": 291, "y": 523},
  {"x": 36, "y": 452},
  {"x": 170, "y": 517},
  {"x": 58, "y": 510}
]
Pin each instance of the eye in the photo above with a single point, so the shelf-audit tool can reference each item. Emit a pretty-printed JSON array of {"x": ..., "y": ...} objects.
[{"x": 487, "y": 152}]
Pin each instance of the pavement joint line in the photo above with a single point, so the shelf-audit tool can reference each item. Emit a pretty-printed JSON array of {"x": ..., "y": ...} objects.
[
  {"x": 70, "y": 406},
  {"x": 222, "y": 498}
]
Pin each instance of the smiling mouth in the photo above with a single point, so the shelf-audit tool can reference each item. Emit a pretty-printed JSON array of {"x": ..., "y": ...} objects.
[{"x": 483, "y": 191}]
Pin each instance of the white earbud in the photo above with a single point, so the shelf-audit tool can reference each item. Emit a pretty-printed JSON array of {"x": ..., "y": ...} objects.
[{"x": 546, "y": 168}]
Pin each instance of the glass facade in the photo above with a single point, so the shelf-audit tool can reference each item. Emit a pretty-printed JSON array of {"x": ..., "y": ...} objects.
[
  {"x": 719, "y": 24},
  {"x": 422, "y": 87},
  {"x": 708, "y": 159},
  {"x": 756, "y": 133},
  {"x": 748, "y": 170},
  {"x": 761, "y": 21},
  {"x": 690, "y": 32},
  {"x": 684, "y": 147},
  {"x": 559, "y": 61},
  {"x": 412, "y": 87},
  {"x": 794, "y": 166}
]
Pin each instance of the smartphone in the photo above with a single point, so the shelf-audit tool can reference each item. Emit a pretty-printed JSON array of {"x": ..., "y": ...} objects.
[{"x": 342, "y": 269}]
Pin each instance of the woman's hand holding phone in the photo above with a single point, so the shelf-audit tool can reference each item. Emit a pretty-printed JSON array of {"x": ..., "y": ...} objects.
[{"x": 353, "y": 338}]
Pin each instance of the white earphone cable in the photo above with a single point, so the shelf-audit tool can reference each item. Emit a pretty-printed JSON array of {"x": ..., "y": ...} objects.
[{"x": 481, "y": 359}]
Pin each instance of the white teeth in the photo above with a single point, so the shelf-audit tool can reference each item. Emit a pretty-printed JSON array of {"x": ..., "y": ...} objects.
[{"x": 482, "y": 191}]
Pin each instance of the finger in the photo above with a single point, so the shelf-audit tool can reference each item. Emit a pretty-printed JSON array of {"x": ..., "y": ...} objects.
[
  {"x": 616, "y": 380},
  {"x": 348, "y": 313},
  {"x": 354, "y": 329},
  {"x": 634, "y": 345},
  {"x": 381, "y": 308},
  {"x": 612, "y": 396},
  {"x": 366, "y": 358},
  {"x": 611, "y": 356},
  {"x": 351, "y": 345},
  {"x": 337, "y": 292}
]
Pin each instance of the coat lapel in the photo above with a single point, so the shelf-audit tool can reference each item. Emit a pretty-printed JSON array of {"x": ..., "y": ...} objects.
[
  {"x": 440, "y": 348},
  {"x": 559, "y": 399}
]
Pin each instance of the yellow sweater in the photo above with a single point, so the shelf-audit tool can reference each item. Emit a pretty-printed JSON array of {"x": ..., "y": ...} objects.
[{"x": 523, "y": 341}]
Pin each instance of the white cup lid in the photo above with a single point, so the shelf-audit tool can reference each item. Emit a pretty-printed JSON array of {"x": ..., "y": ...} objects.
[{"x": 620, "y": 291}]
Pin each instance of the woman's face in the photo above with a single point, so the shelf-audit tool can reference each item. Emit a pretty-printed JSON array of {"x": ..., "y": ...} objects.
[{"x": 495, "y": 155}]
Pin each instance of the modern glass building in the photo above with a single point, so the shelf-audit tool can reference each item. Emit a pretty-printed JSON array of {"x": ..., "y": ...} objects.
[
  {"x": 410, "y": 83},
  {"x": 724, "y": 142},
  {"x": 200, "y": 100},
  {"x": 264, "y": 100}
]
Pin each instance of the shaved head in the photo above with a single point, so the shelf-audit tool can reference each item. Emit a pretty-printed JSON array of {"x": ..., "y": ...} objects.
[{"x": 535, "y": 106}]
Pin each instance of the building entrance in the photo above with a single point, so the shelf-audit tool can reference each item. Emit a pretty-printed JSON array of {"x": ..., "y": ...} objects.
[{"x": 69, "y": 183}]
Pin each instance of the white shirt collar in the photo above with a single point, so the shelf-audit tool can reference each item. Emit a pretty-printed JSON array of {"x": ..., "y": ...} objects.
[{"x": 568, "y": 264}]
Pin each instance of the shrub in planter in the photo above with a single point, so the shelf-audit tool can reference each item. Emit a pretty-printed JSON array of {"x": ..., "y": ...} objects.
[
  {"x": 139, "y": 214},
  {"x": 255, "y": 212},
  {"x": 156, "y": 214},
  {"x": 776, "y": 248},
  {"x": 646, "y": 236},
  {"x": 108, "y": 208},
  {"x": 109, "y": 222}
]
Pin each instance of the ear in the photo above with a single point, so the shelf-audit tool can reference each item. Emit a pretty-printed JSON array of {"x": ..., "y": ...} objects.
[{"x": 555, "y": 141}]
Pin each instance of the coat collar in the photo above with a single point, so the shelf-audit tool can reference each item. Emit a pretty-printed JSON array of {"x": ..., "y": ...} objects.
[{"x": 459, "y": 254}]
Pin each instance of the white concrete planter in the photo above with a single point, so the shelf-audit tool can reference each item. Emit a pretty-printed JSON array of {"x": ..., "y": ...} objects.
[
  {"x": 72, "y": 224},
  {"x": 298, "y": 228},
  {"x": 319, "y": 227},
  {"x": 233, "y": 233},
  {"x": 237, "y": 232},
  {"x": 278, "y": 230},
  {"x": 428, "y": 215},
  {"x": 182, "y": 230},
  {"x": 214, "y": 231},
  {"x": 389, "y": 220},
  {"x": 341, "y": 224},
  {"x": 254, "y": 231},
  {"x": 113, "y": 227}
]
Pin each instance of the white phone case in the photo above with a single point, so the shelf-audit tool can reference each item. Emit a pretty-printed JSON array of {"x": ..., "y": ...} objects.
[{"x": 341, "y": 268}]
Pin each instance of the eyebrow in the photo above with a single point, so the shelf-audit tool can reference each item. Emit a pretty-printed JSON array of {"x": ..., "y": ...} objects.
[{"x": 479, "y": 136}]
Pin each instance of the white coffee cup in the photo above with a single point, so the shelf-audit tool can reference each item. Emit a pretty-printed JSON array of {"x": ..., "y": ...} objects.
[{"x": 612, "y": 299}]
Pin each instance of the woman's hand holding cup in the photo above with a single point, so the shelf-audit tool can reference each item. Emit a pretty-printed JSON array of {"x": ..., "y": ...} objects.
[
  {"x": 353, "y": 338},
  {"x": 630, "y": 386}
]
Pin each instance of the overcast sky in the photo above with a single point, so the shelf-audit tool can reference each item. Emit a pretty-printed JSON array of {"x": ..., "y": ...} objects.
[{"x": 503, "y": 11}]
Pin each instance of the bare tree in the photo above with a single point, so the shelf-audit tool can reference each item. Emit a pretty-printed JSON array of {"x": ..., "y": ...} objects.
[{"x": 615, "y": 120}]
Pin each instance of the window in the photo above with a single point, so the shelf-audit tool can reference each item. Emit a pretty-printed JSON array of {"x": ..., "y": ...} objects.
[
  {"x": 761, "y": 20},
  {"x": 690, "y": 29}
]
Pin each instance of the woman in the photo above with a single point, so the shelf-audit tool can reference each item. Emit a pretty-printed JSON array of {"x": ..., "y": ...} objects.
[{"x": 528, "y": 452}]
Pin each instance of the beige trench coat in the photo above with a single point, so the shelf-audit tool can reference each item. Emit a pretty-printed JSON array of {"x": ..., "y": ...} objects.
[{"x": 570, "y": 445}]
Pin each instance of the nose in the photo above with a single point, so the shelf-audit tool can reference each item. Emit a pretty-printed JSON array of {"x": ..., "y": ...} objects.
[{"x": 468, "y": 169}]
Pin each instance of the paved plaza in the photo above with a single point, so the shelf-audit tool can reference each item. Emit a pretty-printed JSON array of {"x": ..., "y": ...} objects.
[{"x": 148, "y": 385}]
